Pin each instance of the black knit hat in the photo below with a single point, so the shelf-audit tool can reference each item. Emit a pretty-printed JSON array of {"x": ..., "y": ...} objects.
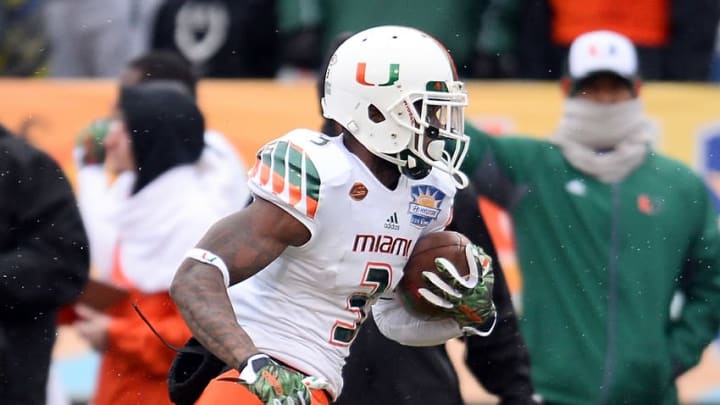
[{"x": 165, "y": 126}]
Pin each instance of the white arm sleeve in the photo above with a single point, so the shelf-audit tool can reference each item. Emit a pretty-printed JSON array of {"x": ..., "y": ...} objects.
[{"x": 395, "y": 323}]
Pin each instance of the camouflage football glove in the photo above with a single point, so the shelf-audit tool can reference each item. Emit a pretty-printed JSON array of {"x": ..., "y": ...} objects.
[
  {"x": 275, "y": 384},
  {"x": 90, "y": 143},
  {"x": 467, "y": 299}
]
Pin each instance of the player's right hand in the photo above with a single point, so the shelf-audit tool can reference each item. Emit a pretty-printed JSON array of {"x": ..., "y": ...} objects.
[
  {"x": 275, "y": 384},
  {"x": 90, "y": 143}
]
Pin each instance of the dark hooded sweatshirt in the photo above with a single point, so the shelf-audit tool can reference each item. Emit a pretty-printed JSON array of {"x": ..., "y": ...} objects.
[{"x": 44, "y": 262}]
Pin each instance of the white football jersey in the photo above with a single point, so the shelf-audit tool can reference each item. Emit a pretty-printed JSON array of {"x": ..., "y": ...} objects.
[{"x": 304, "y": 309}]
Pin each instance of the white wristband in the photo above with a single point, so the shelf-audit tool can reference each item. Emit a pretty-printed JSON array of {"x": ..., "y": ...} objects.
[{"x": 212, "y": 259}]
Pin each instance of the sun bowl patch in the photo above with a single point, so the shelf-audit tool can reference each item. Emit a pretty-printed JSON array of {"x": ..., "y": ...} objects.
[{"x": 425, "y": 205}]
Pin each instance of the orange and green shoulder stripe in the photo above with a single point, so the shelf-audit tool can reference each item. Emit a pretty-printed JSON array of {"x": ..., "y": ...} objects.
[{"x": 285, "y": 169}]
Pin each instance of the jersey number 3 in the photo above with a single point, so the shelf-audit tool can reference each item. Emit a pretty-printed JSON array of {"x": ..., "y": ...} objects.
[{"x": 376, "y": 279}]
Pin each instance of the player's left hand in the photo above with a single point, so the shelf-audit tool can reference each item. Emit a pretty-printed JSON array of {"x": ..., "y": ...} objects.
[
  {"x": 466, "y": 299},
  {"x": 275, "y": 384}
]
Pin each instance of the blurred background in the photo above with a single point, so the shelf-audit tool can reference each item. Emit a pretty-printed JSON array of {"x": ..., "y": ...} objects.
[{"x": 259, "y": 61}]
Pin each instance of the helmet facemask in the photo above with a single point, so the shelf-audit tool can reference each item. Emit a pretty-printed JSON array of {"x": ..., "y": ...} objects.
[{"x": 436, "y": 120}]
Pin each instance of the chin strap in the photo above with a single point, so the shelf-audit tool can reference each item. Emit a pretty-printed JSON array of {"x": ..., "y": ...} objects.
[{"x": 414, "y": 168}]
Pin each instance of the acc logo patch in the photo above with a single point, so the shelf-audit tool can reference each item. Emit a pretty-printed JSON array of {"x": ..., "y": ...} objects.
[
  {"x": 358, "y": 191},
  {"x": 709, "y": 160},
  {"x": 425, "y": 204}
]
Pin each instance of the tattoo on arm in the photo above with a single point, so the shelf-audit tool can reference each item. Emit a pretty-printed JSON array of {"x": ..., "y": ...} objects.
[
  {"x": 247, "y": 241},
  {"x": 201, "y": 296}
]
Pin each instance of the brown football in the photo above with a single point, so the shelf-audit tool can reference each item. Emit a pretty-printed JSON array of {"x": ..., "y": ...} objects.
[{"x": 447, "y": 244}]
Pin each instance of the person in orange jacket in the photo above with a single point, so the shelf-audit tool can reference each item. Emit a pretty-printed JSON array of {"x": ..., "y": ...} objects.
[
  {"x": 151, "y": 214},
  {"x": 674, "y": 38}
]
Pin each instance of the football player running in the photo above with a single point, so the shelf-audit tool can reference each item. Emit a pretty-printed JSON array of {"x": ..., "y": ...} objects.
[{"x": 311, "y": 254}]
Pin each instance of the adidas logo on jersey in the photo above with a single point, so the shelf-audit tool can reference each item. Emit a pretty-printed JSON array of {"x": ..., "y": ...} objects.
[{"x": 392, "y": 222}]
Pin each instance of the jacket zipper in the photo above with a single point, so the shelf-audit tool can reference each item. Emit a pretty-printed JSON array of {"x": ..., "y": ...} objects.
[{"x": 610, "y": 356}]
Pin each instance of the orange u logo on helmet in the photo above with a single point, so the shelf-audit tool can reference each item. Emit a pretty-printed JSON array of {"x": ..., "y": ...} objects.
[{"x": 393, "y": 75}]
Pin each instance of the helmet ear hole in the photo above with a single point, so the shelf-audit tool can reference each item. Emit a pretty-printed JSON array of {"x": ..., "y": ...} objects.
[{"x": 375, "y": 115}]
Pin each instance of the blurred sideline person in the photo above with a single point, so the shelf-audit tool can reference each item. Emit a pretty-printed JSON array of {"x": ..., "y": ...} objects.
[
  {"x": 467, "y": 28},
  {"x": 499, "y": 362},
  {"x": 89, "y": 38},
  {"x": 607, "y": 231},
  {"x": 44, "y": 262},
  {"x": 153, "y": 213},
  {"x": 23, "y": 40},
  {"x": 673, "y": 38},
  {"x": 297, "y": 253},
  {"x": 220, "y": 38},
  {"x": 220, "y": 167}
]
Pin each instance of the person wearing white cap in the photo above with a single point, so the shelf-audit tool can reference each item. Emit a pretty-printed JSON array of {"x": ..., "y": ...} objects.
[{"x": 607, "y": 231}]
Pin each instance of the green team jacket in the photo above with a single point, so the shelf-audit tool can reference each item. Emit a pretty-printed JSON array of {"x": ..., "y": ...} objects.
[{"x": 600, "y": 266}]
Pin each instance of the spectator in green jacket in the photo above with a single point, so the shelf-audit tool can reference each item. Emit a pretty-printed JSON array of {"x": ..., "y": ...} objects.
[{"x": 608, "y": 232}]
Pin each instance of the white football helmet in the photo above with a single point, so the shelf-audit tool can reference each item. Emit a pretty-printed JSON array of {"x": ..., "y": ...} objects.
[{"x": 396, "y": 90}]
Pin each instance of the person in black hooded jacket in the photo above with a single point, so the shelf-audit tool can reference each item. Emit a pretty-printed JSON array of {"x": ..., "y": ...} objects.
[
  {"x": 44, "y": 262},
  {"x": 153, "y": 214}
]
